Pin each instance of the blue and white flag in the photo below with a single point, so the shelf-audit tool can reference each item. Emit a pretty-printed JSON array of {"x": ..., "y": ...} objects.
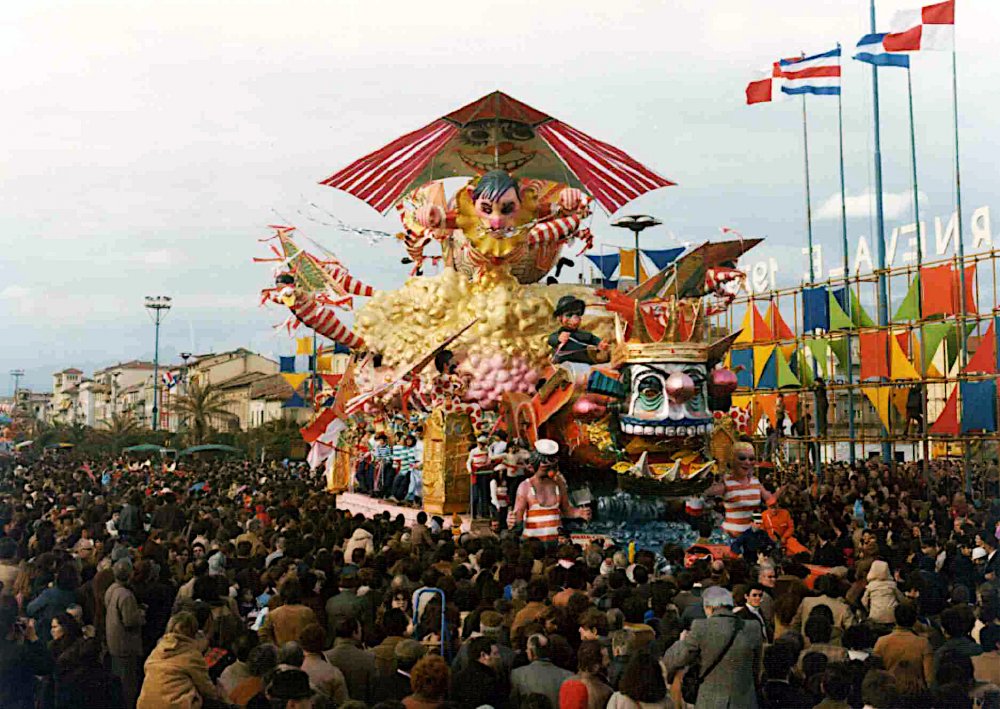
[
  {"x": 818, "y": 74},
  {"x": 872, "y": 50}
]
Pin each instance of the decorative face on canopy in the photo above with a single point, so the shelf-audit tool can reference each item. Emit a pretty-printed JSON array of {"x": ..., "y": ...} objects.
[
  {"x": 666, "y": 400},
  {"x": 490, "y": 144}
]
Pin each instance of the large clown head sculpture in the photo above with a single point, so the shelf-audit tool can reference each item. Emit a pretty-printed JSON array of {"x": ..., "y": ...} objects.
[{"x": 497, "y": 202}]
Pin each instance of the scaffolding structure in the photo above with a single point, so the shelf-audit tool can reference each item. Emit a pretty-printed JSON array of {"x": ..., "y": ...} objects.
[{"x": 922, "y": 352}]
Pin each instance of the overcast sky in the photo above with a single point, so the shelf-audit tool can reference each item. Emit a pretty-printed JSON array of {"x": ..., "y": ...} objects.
[{"x": 147, "y": 145}]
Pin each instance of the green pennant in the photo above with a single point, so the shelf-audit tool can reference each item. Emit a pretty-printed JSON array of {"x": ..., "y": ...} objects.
[
  {"x": 858, "y": 314},
  {"x": 934, "y": 332},
  {"x": 786, "y": 377},
  {"x": 909, "y": 309},
  {"x": 820, "y": 348},
  {"x": 805, "y": 369},
  {"x": 838, "y": 318},
  {"x": 953, "y": 345},
  {"x": 839, "y": 347}
]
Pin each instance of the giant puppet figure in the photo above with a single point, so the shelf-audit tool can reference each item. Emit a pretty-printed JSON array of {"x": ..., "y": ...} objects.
[
  {"x": 497, "y": 221},
  {"x": 741, "y": 492}
]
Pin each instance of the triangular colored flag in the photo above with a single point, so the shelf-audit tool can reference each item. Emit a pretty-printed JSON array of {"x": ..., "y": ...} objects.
[
  {"x": 295, "y": 380},
  {"x": 899, "y": 366},
  {"x": 805, "y": 370},
  {"x": 762, "y": 363},
  {"x": 318, "y": 427},
  {"x": 858, "y": 314},
  {"x": 820, "y": 348},
  {"x": 769, "y": 405},
  {"x": 746, "y": 328},
  {"x": 874, "y": 358},
  {"x": 947, "y": 422},
  {"x": 779, "y": 328},
  {"x": 880, "y": 398},
  {"x": 838, "y": 318},
  {"x": 791, "y": 406},
  {"x": 788, "y": 350},
  {"x": 303, "y": 345},
  {"x": 786, "y": 378},
  {"x": 627, "y": 268},
  {"x": 899, "y": 397},
  {"x": 934, "y": 333},
  {"x": 294, "y": 402},
  {"x": 953, "y": 342},
  {"x": 984, "y": 361},
  {"x": 761, "y": 332},
  {"x": 839, "y": 347},
  {"x": 909, "y": 309}
]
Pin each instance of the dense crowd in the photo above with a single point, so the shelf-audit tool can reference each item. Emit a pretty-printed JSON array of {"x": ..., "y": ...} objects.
[{"x": 227, "y": 583}]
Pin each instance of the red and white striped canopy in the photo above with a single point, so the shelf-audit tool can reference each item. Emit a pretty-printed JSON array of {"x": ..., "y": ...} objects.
[{"x": 497, "y": 132}]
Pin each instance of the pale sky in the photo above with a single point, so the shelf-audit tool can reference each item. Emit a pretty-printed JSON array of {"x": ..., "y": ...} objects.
[{"x": 147, "y": 145}]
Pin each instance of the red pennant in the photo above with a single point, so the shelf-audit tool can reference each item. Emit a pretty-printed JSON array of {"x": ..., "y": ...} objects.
[
  {"x": 332, "y": 380},
  {"x": 947, "y": 422},
  {"x": 874, "y": 355},
  {"x": 778, "y": 325},
  {"x": 985, "y": 359},
  {"x": 761, "y": 332}
]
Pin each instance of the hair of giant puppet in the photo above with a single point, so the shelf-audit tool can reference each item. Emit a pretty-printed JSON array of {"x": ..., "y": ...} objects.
[{"x": 493, "y": 184}]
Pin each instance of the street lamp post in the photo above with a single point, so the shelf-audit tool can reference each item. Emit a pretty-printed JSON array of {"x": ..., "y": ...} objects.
[
  {"x": 636, "y": 223},
  {"x": 157, "y": 306},
  {"x": 16, "y": 374}
]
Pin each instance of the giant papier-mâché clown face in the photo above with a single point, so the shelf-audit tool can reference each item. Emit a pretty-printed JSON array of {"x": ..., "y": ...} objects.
[
  {"x": 497, "y": 202},
  {"x": 666, "y": 400}
]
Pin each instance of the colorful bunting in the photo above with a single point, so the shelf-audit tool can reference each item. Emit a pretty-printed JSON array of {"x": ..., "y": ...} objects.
[
  {"x": 769, "y": 405},
  {"x": 332, "y": 380},
  {"x": 294, "y": 402},
  {"x": 803, "y": 369},
  {"x": 839, "y": 320},
  {"x": 858, "y": 314},
  {"x": 839, "y": 347},
  {"x": 286, "y": 364},
  {"x": 979, "y": 405},
  {"x": 820, "y": 349},
  {"x": 909, "y": 309},
  {"x": 765, "y": 370},
  {"x": 627, "y": 270},
  {"x": 984, "y": 361},
  {"x": 303, "y": 345},
  {"x": 324, "y": 363},
  {"x": 779, "y": 328},
  {"x": 745, "y": 376},
  {"x": 947, "y": 422},
  {"x": 880, "y": 398},
  {"x": 791, "y": 402},
  {"x": 294, "y": 379},
  {"x": 934, "y": 333},
  {"x": 761, "y": 332},
  {"x": 873, "y": 354},
  {"x": 899, "y": 366},
  {"x": 746, "y": 327},
  {"x": 786, "y": 378},
  {"x": 942, "y": 288},
  {"x": 815, "y": 309},
  {"x": 899, "y": 397}
]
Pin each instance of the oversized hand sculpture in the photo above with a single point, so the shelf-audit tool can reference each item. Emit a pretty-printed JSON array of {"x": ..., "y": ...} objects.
[{"x": 570, "y": 199}]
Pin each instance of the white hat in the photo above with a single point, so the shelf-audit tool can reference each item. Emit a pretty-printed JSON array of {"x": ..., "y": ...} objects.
[
  {"x": 978, "y": 553},
  {"x": 546, "y": 446}
]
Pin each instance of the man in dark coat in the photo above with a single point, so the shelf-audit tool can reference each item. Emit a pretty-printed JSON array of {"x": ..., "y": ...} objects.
[{"x": 479, "y": 683}]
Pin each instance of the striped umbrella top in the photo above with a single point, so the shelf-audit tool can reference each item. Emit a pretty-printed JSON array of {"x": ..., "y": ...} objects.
[{"x": 497, "y": 132}]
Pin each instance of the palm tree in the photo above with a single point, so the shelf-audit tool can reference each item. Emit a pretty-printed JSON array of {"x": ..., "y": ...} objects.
[
  {"x": 118, "y": 430},
  {"x": 202, "y": 405}
]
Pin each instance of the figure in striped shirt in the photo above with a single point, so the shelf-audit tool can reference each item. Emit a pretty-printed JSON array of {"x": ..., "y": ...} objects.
[
  {"x": 741, "y": 492},
  {"x": 543, "y": 500}
]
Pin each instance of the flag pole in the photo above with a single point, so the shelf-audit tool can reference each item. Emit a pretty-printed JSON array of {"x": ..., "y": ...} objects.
[
  {"x": 809, "y": 222},
  {"x": 852, "y": 452},
  {"x": 962, "y": 334},
  {"x": 883, "y": 289},
  {"x": 920, "y": 285}
]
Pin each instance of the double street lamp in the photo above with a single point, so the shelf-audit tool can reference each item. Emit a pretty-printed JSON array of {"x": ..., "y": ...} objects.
[{"x": 157, "y": 305}]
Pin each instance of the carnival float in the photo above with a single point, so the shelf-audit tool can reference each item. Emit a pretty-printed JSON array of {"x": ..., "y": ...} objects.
[{"x": 621, "y": 379}]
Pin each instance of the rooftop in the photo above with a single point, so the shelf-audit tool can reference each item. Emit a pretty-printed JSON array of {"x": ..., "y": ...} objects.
[
  {"x": 131, "y": 364},
  {"x": 272, "y": 387},
  {"x": 242, "y": 380}
]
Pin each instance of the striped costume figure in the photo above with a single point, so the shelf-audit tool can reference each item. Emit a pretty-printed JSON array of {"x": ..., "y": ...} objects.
[
  {"x": 741, "y": 499},
  {"x": 541, "y": 522}
]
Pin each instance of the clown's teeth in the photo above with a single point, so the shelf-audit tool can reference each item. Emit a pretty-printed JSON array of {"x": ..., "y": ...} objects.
[
  {"x": 649, "y": 430},
  {"x": 692, "y": 431},
  {"x": 669, "y": 431},
  {"x": 659, "y": 430},
  {"x": 629, "y": 428}
]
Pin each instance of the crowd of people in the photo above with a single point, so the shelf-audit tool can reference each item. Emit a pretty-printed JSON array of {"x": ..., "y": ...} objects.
[{"x": 235, "y": 584}]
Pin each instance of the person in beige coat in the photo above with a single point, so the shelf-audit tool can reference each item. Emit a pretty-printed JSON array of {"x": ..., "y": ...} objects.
[
  {"x": 881, "y": 594},
  {"x": 176, "y": 673}
]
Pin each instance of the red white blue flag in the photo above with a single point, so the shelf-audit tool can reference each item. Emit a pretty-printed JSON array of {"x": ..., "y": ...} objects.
[{"x": 818, "y": 74}]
